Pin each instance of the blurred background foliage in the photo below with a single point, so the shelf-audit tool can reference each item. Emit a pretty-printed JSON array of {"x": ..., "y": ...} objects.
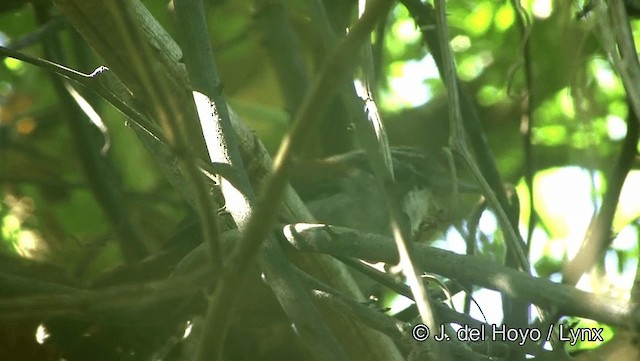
[{"x": 48, "y": 213}]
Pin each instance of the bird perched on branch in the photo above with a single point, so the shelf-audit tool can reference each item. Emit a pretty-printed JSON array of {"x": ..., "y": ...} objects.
[{"x": 342, "y": 190}]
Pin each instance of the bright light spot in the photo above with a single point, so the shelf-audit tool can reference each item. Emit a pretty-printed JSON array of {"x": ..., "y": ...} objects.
[
  {"x": 30, "y": 245},
  {"x": 538, "y": 243},
  {"x": 504, "y": 17},
  {"x": 469, "y": 69},
  {"x": 542, "y": 9},
  {"x": 93, "y": 116},
  {"x": 489, "y": 301},
  {"x": 187, "y": 329},
  {"x": 10, "y": 225},
  {"x": 488, "y": 223},
  {"x": 616, "y": 127},
  {"x": 460, "y": 43},
  {"x": 629, "y": 201},
  {"x": 478, "y": 22},
  {"x": 4, "y": 39},
  {"x": 541, "y": 244},
  {"x": 550, "y": 112},
  {"x": 453, "y": 241},
  {"x": 380, "y": 266},
  {"x": 557, "y": 278},
  {"x": 41, "y": 334},
  {"x": 550, "y": 135},
  {"x": 26, "y": 243},
  {"x": 405, "y": 31},
  {"x": 489, "y": 95},
  {"x": 407, "y": 87},
  {"x": 398, "y": 304},
  {"x": 556, "y": 248},
  {"x": 605, "y": 77},
  {"x": 565, "y": 101},
  {"x": 585, "y": 283},
  {"x": 563, "y": 201},
  {"x": 301, "y": 227},
  {"x": 626, "y": 240},
  {"x": 611, "y": 263},
  {"x": 472, "y": 67},
  {"x": 14, "y": 65}
]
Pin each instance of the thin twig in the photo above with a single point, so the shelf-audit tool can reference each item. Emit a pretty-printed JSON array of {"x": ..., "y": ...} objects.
[
  {"x": 526, "y": 117},
  {"x": 516, "y": 312}
]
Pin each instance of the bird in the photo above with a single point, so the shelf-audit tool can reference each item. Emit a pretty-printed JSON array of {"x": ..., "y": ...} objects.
[{"x": 342, "y": 190}]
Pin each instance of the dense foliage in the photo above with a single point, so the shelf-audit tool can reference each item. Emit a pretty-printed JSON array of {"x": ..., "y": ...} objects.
[{"x": 112, "y": 241}]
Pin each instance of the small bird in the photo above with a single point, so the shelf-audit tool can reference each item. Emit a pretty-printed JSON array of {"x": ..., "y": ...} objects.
[{"x": 342, "y": 190}]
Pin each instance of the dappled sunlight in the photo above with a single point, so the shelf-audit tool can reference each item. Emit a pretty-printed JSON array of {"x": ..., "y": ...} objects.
[
  {"x": 563, "y": 201},
  {"x": 480, "y": 19},
  {"x": 29, "y": 244},
  {"x": 542, "y": 9},
  {"x": 16, "y": 66},
  {"x": 629, "y": 203},
  {"x": 407, "y": 83},
  {"x": 504, "y": 18},
  {"x": 471, "y": 67},
  {"x": 107, "y": 250},
  {"x": 41, "y": 334},
  {"x": 619, "y": 275},
  {"x": 460, "y": 43},
  {"x": 25, "y": 242},
  {"x": 616, "y": 127}
]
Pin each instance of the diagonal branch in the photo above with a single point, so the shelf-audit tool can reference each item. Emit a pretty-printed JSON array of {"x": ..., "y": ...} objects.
[{"x": 222, "y": 147}]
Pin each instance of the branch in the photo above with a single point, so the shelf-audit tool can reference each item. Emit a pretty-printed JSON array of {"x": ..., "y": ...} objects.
[
  {"x": 486, "y": 171},
  {"x": 95, "y": 24},
  {"x": 222, "y": 147},
  {"x": 598, "y": 235},
  {"x": 49, "y": 299},
  {"x": 263, "y": 216},
  {"x": 466, "y": 270}
]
